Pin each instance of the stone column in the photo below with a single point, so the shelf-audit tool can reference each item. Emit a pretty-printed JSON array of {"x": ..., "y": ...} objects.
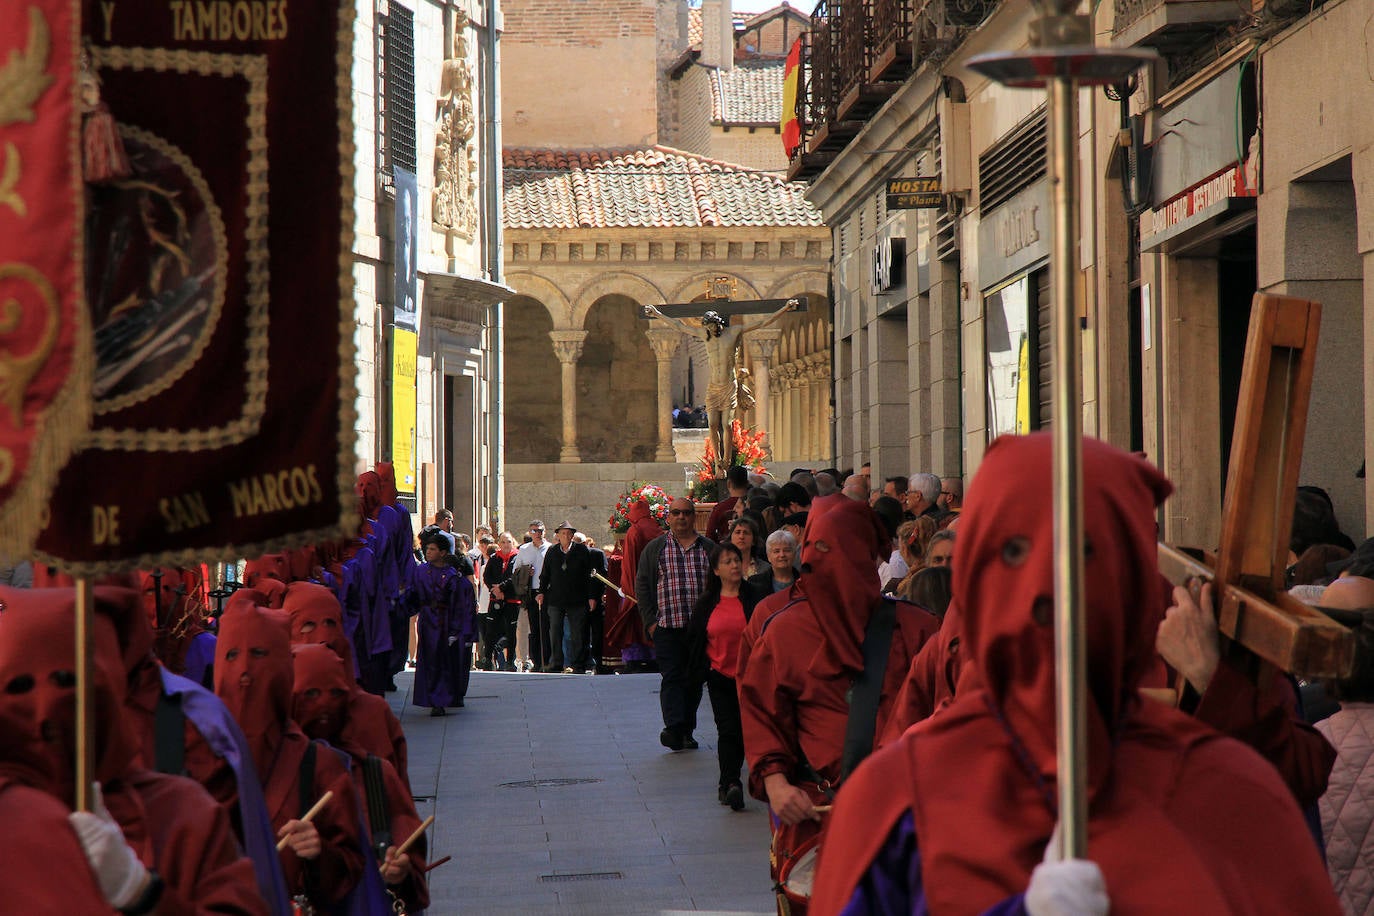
[
  {"x": 567, "y": 346},
  {"x": 777, "y": 436},
  {"x": 795, "y": 420},
  {"x": 815, "y": 408},
  {"x": 762, "y": 345},
  {"x": 664, "y": 342}
]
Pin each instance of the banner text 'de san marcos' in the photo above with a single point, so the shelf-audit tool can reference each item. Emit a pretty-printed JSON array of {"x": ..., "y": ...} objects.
[{"x": 218, "y": 284}]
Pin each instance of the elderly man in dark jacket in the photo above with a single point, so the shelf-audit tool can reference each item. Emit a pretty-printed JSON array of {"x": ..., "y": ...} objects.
[{"x": 565, "y": 591}]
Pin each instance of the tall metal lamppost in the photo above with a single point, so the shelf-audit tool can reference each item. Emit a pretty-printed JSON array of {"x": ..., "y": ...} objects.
[{"x": 1062, "y": 57}]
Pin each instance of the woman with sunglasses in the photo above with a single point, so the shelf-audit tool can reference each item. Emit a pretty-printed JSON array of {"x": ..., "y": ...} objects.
[{"x": 718, "y": 621}]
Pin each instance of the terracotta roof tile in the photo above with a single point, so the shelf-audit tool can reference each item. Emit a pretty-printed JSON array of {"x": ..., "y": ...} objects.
[
  {"x": 748, "y": 93},
  {"x": 694, "y": 33},
  {"x": 644, "y": 187}
]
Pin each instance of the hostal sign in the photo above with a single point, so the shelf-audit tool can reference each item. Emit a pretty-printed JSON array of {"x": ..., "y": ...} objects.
[{"x": 914, "y": 193}]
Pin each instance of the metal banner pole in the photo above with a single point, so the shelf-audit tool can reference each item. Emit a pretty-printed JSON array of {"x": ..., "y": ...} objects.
[
  {"x": 1070, "y": 644},
  {"x": 85, "y": 695},
  {"x": 1061, "y": 57}
]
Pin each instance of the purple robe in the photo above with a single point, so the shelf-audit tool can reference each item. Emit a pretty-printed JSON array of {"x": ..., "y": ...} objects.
[
  {"x": 200, "y": 657},
  {"x": 446, "y": 606},
  {"x": 893, "y": 883},
  {"x": 208, "y": 714}
]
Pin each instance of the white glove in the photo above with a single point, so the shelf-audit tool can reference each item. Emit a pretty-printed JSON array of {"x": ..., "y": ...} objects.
[
  {"x": 1072, "y": 888},
  {"x": 116, "y": 866}
]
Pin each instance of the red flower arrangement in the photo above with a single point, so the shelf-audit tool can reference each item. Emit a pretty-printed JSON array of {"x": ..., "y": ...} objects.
[
  {"x": 750, "y": 450},
  {"x": 655, "y": 495}
]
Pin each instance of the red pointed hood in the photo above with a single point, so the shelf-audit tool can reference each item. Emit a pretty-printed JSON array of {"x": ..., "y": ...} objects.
[
  {"x": 1004, "y": 585},
  {"x": 38, "y": 688},
  {"x": 320, "y": 691},
  {"x": 841, "y": 547},
  {"x": 316, "y": 617},
  {"x": 253, "y": 676}
]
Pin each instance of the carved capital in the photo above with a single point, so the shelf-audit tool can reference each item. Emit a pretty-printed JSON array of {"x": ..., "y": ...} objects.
[
  {"x": 762, "y": 344},
  {"x": 664, "y": 342},
  {"x": 567, "y": 345}
]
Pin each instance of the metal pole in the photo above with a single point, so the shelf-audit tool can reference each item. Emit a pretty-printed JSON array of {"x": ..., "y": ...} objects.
[
  {"x": 85, "y": 706},
  {"x": 1070, "y": 645}
]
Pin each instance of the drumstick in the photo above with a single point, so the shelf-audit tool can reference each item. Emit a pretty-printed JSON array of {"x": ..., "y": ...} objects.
[
  {"x": 308, "y": 816},
  {"x": 823, "y": 809},
  {"x": 419, "y": 832},
  {"x": 433, "y": 865}
]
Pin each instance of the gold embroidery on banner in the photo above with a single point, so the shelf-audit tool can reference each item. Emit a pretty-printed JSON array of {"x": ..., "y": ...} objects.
[
  {"x": 16, "y": 371},
  {"x": 6, "y": 466},
  {"x": 253, "y": 69},
  {"x": 347, "y": 523},
  {"x": 24, "y": 76},
  {"x": 9, "y": 178},
  {"x": 166, "y": 333}
]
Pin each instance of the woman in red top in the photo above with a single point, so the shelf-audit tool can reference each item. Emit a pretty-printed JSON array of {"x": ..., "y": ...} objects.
[{"x": 718, "y": 621}]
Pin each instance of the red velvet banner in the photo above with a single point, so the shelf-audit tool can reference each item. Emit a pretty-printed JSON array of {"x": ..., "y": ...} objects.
[
  {"x": 219, "y": 161},
  {"x": 45, "y": 353}
]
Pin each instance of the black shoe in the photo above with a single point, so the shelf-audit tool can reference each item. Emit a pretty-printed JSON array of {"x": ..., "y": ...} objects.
[
  {"x": 670, "y": 739},
  {"x": 553, "y": 669},
  {"x": 689, "y": 743},
  {"x": 734, "y": 797},
  {"x": 438, "y": 711},
  {"x": 720, "y": 794}
]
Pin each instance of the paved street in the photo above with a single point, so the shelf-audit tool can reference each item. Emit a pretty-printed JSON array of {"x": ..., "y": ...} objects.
[{"x": 638, "y": 830}]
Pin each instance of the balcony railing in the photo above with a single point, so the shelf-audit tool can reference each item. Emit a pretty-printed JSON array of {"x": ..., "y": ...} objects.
[{"x": 858, "y": 53}]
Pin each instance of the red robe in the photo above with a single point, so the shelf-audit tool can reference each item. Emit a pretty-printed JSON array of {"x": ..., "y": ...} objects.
[
  {"x": 626, "y": 628},
  {"x": 1177, "y": 813},
  {"x": 929, "y": 684},
  {"x": 374, "y": 728},
  {"x": 798, "y": 663}
]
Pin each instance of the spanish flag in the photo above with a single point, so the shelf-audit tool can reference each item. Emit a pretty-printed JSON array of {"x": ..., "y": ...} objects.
[{"x": 791, "y": 76}]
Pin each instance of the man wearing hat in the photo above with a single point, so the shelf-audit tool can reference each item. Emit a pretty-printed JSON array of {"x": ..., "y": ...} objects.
[{"x": 565, "y": 592}]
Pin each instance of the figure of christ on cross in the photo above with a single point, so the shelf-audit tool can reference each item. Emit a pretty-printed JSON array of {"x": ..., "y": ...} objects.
[{"x": 721, "y": 343}]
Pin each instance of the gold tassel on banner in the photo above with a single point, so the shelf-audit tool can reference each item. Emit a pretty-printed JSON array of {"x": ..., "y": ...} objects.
[{"x": 103, "y": 158}]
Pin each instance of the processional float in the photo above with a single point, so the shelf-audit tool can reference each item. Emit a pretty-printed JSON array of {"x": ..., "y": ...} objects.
[{"x": 176, "y": 346}]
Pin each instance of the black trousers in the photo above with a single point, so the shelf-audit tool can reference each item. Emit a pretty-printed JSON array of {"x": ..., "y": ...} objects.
[
  {"x": 680, "y": 694},
  {"x": 576, "y": 615},
  {"x": 501, "y": 621},
  {"x": 725, "y": 708},
  {"x": 596, "y": 633},
  {"x": 539, "y": 633}
]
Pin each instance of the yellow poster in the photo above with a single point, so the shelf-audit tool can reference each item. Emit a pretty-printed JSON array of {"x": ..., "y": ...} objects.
[
  {"x": 1023, "y": 389},
  {"x": 403, "y": 349}
]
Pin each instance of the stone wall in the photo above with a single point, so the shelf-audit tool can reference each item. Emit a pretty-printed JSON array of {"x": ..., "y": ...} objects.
[
  {"x": 755, "y": 147},
  {"x": 582, "y": 493},
  {"x": 554, "y": 56}
]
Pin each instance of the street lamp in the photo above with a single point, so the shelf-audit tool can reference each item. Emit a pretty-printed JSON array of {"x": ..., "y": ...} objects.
[{"x": 1060, "y": 58}]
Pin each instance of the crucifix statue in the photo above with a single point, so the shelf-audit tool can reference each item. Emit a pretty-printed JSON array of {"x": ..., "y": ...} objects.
[{"x": 722, "y": 340}]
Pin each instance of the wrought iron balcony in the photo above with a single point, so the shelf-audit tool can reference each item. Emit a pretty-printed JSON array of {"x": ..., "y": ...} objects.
[
  {"x": 1173, "y": 26},
  {"x": 857, "y": 54}
]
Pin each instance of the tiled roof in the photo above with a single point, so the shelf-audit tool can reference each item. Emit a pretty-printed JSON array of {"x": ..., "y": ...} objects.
[
  {"x": 651, "y": 186},
  {"x": 748, "y": 93},
  {"x": 694, "y": 33}
]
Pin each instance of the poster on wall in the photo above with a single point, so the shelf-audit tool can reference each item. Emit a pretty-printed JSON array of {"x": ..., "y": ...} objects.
[
  {"x": 403, "y": 409},
  {"x": 1007, "y": 327},
  {"x": 404, "y": 252},
  {"x": 218, "y": 281}
]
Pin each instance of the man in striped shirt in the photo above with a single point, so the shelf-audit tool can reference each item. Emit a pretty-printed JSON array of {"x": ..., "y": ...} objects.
[{"x": 670, "y": 577}]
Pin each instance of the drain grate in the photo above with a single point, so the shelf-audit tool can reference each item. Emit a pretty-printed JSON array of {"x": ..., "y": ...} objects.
[
  {"x": 584, "y": 876},
  {"x": 548, "y": 783}
]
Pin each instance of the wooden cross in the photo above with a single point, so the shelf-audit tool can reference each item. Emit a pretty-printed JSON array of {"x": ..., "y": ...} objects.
[{"x": 1257, "y": 515}]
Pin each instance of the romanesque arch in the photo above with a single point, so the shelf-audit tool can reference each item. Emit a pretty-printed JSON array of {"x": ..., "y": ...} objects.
[
  {"x": 614, "y": 282},
  {"x": 617, "y": 384},
  {"x": 533, "y": 400},
  {"x": 543, "y": 290},
  {"x": 800, "y": 283}
]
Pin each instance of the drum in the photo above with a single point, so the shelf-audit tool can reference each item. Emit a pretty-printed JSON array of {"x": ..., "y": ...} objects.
[{"x": 796, "y": 877}]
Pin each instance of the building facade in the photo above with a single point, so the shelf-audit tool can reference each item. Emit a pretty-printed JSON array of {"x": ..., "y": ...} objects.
[
  {"x": 603, "y": 214},
  {"x": 1229, "y": 167},
  {"x": 426, "y": 253}
]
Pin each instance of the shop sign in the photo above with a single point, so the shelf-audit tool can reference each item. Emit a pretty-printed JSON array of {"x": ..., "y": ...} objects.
[
  {"x": 1225, "y": 185},
  {"x": 914, "y": 193}
]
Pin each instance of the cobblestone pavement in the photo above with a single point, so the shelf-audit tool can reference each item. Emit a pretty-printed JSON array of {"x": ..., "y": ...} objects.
[{"x": 635, "y": 829}]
